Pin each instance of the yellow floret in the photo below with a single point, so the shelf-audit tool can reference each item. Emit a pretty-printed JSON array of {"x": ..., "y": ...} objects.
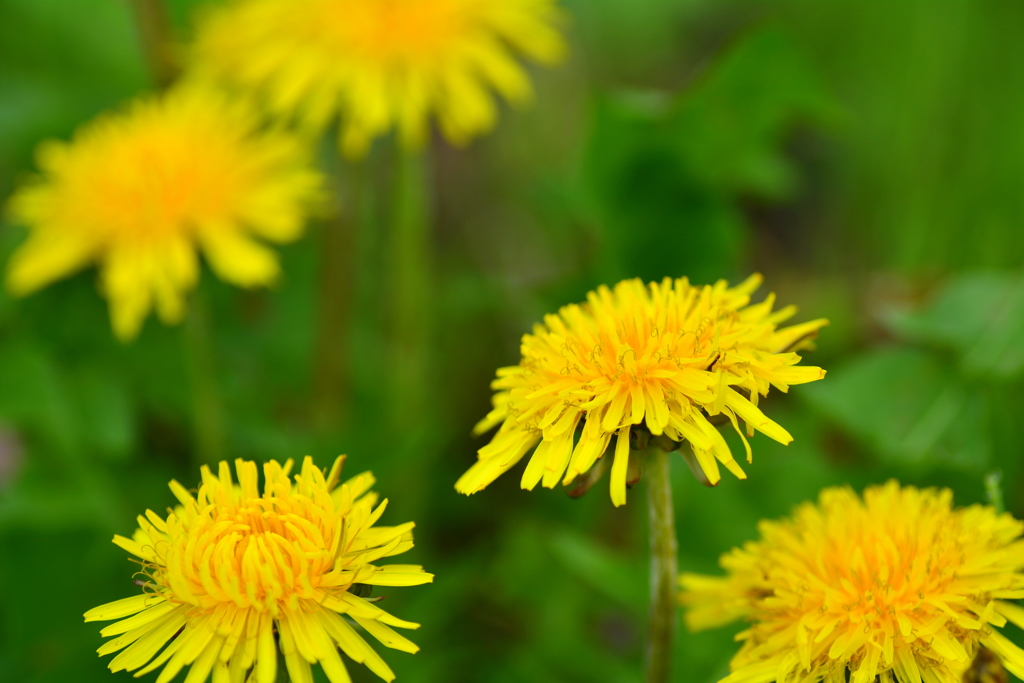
[
  {"x": 230, "y": 568},
  {"x": 380, "y": 64},
  {"x": 665, "y": 357},
  {"x": 898, "y": 585},
  {"x": 143, "y": 191}
]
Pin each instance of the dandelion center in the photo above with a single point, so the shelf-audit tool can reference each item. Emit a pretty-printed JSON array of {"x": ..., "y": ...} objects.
[
  {"x": 167, "y": 193},
  {"x": 400, "y": 29},
  {"x": 251, "y": 550},
  {"x": 258, "y": 555}
]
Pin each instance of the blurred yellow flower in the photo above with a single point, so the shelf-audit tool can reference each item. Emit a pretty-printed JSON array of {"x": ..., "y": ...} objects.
[
  {"x": 666, "y": 356},
  {"x": 381, "y": 64},
  {"x": 231, "y": 575},
  {"x": 139, "y": 191},
  {"x": 898, "y": 585}
]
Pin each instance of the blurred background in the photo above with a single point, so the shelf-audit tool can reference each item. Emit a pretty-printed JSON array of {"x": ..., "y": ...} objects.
[{"x": 867, "y": 156}]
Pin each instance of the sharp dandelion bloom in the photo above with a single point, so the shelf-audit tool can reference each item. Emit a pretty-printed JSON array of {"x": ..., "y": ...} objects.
[
  {"x": 898, "y": 585},
  {"x": 230, "y": 576},
  {"x": 381, "y": 64},
  {"x": 141, "y": 191},
  {"x": 668, "y": 358}
]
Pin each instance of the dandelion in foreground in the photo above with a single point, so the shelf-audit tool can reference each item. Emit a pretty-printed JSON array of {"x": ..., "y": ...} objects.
[
  {"x": 667, "y": 358},
  {"x": 231, "y": 575},
  {"x": 140, "y": 191},
  {"x": 899, "y": 586},
  {"x": 381, "y": 64}
]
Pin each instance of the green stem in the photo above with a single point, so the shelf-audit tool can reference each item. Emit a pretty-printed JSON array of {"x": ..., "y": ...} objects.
[
  {"x": 409, "y": 253},
  {"x": 333, "y": 379},
  {"x": 154, "y": 27},
  {"x": 662, "y": 615},
  {"x": 207, "y": 411}
]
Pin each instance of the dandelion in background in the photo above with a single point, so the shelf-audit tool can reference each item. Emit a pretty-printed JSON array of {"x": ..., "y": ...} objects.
[
  {"x": 667, "y": 358},
  {"x": 232, "y": 575},
  {"x": 898, "y": 585},
  {"x": 141, "y": 191},
  {"x": 381, "y": 64}
]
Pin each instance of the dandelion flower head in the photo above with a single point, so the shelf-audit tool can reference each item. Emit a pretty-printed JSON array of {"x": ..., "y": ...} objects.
[
  {"x": 381, "y": 64},
  {"x": 140, "y": 191},
  {"x": 898, "y": 585},
  {"x": 231, "y": 575},
  {"x": 667, "y": 357}
]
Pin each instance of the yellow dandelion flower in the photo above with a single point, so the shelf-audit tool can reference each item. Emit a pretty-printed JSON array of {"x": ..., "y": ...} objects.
[
  {"x": 381, "y": 64},
  {"x": 898, "y": 585},
  {"x": 665, "y": 357},
  {"x": 231, "y": 575},
  {"x": 139, "y": 191}
]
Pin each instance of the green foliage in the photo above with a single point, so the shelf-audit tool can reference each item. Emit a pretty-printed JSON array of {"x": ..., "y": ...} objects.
[
  {"x": 60, "y": 63},
  {"x": 928, "y": 401},
  {"x": 977, "y": 316},
  {"x": 679, "y": 164},
  {"x": 821, "y": 143},
  {"x": 933, "y": 148},
  {"x": 909, "y": 408}
]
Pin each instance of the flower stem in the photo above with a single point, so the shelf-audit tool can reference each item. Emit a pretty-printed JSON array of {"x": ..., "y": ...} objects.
[
  {"x": 154, "y": 28},
  {"x": 207, "y": 411},
  {"x": 409, "y": 254},
  {"x": 662, "y": 615},
  {"x": 332, "y": 360}
]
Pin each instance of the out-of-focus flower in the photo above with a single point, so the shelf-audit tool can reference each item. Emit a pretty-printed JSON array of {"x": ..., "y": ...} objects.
[
  {"x": 231, "y": 575},
  {"x": 140, "y": 191},
  {"x": 381, "y": 64},
  {"x": 665, "y": 357},
  {"x": 898, "y": 586}
]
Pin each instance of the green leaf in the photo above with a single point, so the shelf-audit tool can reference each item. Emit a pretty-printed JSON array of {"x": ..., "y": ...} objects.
[
  {"x": 666, "y": 173},
  {"x": 733, "y": 125},
  {"x": 655, "y": 215},
  {"x": 978, "y": 315},
  {"x": 909, "y": 408}
]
